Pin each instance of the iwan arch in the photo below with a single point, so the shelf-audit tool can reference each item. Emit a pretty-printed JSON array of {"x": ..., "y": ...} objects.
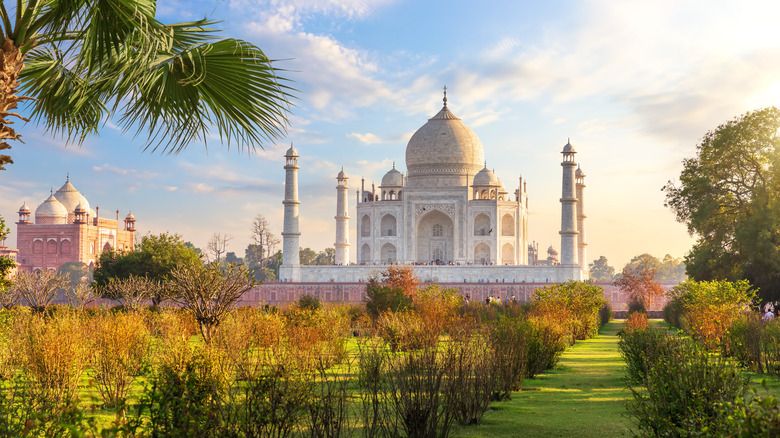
[{"x": 450, "y": 217}]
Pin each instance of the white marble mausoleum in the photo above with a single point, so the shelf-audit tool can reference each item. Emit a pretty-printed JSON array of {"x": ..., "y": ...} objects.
[{"x": 450, "y": 217}]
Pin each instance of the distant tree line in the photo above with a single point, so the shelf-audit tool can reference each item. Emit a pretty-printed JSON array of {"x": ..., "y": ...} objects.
[{"x": 666, "y": 270}]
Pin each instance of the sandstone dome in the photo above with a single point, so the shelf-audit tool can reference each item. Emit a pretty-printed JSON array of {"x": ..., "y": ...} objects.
[
  {"x": 51, "y": 211},
  {"x": 393, "y": 178},
  {"x": 70, "y": 198},
  {"x": 443, "y": 152}
]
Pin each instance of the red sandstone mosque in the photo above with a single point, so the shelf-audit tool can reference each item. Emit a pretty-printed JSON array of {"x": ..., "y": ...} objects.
[{"x": 66, "y": 229}]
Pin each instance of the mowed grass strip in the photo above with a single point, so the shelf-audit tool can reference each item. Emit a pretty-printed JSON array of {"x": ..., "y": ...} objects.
[{"x": 583, "y": 396}]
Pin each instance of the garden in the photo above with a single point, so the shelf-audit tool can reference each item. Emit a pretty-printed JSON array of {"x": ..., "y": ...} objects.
[{"x": 413, "y": 360}]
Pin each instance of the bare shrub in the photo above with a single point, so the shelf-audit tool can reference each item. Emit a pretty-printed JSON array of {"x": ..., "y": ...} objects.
[
  {"x": 509, "y": 348},
  {"x": 121, "y": 345},
  {"x": 405, "y": 331},
  {"x": 172, "y": 330},
  {"x": 316, "y": 337},
  {"x": 373, "y": 360},
  {"x": 38, "y": 289},
  {"x": 416, "y": 391},
  {"x": 52, "y": 354},
  {"x": 9, "y": 297},
  {"x": 329, "y": 406},
  {"x": 473, "y": 379},
  {"x": 437, "y": 306},
  {"x": 81, "y": 295},
  {"x": 209, "y": 292},
  {"x": 132, "y": 292}
]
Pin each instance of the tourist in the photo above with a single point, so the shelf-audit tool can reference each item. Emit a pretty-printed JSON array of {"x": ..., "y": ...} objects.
[{"x": 769, "y": 315}]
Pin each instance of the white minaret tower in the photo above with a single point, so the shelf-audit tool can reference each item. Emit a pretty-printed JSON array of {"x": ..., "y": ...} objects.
[
  {"x": 568, "y": 209},
  {"x": 342, "y": 220},
  {"x": 290, "y": 269},
  {"x": 582, "y": 256}
]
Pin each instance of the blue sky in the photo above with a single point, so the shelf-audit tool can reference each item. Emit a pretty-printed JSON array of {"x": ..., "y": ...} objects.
[{"x": 634, "y": 84}]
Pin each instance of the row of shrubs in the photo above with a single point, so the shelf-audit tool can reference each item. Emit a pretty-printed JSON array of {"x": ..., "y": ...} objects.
[
  {"x": 680, "y": 389},
  {"x": 412, "y": 370}
]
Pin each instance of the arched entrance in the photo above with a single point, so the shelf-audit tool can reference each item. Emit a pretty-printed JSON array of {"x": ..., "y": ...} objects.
[
  {"x": 435, "y": 238},
  {"x": 388, "y": 253}
]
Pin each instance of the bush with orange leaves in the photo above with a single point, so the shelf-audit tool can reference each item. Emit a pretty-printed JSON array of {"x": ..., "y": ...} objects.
[
  {"x": 710, "y": 308},
  {"x": 437, "y": 306},
  {"x": 573, "y": 306},
  {"x": 635, "y": 321}
]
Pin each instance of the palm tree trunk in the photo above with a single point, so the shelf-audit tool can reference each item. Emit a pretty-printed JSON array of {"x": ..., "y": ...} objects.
[{"x": 11, "y": 63}]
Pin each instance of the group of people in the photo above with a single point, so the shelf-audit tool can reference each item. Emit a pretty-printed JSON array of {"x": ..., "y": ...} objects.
[{"x": 490, "y": 299}]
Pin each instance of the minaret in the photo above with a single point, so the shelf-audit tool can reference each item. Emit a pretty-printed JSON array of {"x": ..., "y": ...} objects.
[
  {"x": 581, "y": 244},
  {"x": 291, "y": 235},
  {"x": 568, "y": 209},
  {"x": 342, "y": 220}
]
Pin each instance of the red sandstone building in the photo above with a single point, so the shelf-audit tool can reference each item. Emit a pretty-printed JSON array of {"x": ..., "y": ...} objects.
[{"x": 66, "y": 229}]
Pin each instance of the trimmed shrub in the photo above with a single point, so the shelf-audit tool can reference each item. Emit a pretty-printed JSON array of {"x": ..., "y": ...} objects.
[
  {"x": 673, "y": 313},
  {"x": 642, "y": 348},
  {"x": 710, "y": 308},
  {"x": 405, "y": 331},
  {"x": 546, "y": 343},
  {"x": 381, "y": 299},
  {"x": 605, "y": 314},
  {"x": 573, "y": 305},
  {"x": 636, "y": 305},
  {"x": 635, "y": 321},
  {"x": 684, "y": 391},
  {"x": 437, "y": 306},
  {"x": 309, "y": 302},
  {"x": 745, "y": 342},
  {"x": 509, "y": 351},
  {"x": 751, "y": 417},
  {"x": 474, "y": 379}
]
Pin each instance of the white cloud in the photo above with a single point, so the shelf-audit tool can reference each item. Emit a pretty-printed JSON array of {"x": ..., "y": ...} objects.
[
  {"x": 367, "y": 138},
  {"x": 200, "y": 188}
]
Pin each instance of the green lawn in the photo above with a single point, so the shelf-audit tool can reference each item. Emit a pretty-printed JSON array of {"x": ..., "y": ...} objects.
[{"x": 583, "y": 396}]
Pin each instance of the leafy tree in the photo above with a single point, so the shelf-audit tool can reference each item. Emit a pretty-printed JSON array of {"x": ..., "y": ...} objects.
[
  {"x": 638, "y": 281},
  {"x": 326, "y": 257},
  {"x": 671, "y": 269},
  {"x": 154, "y": 258},
  {"x": 75, "y": 271},
  {"x": 729, "y": 197},
  {"x": 307, "y": 256},
  {"x": 231, "y": 257},
  {"x": 192, "y": 246},
  {"x": 4, "y": 230},
  {"x": 401, "y": 277},
  {"x": 79, "y": 62},
  {"x": 601, "y": 271}
]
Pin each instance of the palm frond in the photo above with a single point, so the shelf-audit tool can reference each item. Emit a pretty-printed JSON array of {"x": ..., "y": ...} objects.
[
  {"x": 228, "y": 86},
  {"x": 66, "y": 102}
]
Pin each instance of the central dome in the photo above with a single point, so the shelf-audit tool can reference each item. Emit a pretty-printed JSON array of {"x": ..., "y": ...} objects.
[{"x": 443, "y": 152}]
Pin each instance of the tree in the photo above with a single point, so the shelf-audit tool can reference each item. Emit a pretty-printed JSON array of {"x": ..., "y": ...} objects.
[
  {"x": 194, "y": 248},
  {"x": 671, "y": 270},
  {"x": 75, "y": 271},
  {"x": 132, "y": 292},
  {"x": 39, "y": 288},
  {"x": 263, "y": 237},
  {"x": 601, "y": 271},
  {"x": 307, "y": 256},
  {"x": 231, "y": 257},
  {"x": 154, "y": 258},
  {"x": 208, "y": 292},
  {"x": 4, "y": 230},
  {"x": 79, "y": 62},
  {"x": 729, "y": 197},
  {"x": 638, "y": 280},
  {"x": 217, "y": 245},
  {"x": 326, "y": 257}
]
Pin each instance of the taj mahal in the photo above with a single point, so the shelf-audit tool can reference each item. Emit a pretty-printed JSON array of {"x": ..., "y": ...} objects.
[{"x": 450, "y": 217}]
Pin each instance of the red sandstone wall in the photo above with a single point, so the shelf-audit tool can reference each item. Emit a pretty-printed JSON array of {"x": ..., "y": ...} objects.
[{"x": 281, "y": 294}]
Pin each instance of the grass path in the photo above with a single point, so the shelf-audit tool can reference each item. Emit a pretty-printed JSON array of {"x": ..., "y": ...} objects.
[{"x": 582, "y": 397}]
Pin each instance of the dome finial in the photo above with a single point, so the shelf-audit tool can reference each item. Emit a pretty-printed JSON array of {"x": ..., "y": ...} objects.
[
  {"x": 393, "y": 164},
  {"x": 67, "y": 177},
  {"x": 445, "y": 96}
]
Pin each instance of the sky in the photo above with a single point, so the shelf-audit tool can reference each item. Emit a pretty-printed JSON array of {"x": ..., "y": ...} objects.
[{"x": 633, "y": 84}]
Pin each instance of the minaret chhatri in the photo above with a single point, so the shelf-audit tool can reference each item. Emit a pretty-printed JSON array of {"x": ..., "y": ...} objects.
[
  {"x": 568, "y": 209},
  {"x": 291, "y": 234},
  {"x": 582, "y": 256},
  {"x": 342, "y": 220}
]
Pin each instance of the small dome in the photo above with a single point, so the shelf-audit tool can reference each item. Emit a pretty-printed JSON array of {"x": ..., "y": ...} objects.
[
  {"x": 291, "y": 152},
  {"x": 579, "y": 173},
  {"x": 342, "y": 174},
  {"x": 80, "y": 209},
  {"x": 485, "y": 177},
  {"x": 393, "y": 178},
  {"x": 569, "y": 149},
  {"x": 51, "y": 211},
  {"x": 130, "y": 216},
  {"x": 24, "y": 209}
]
